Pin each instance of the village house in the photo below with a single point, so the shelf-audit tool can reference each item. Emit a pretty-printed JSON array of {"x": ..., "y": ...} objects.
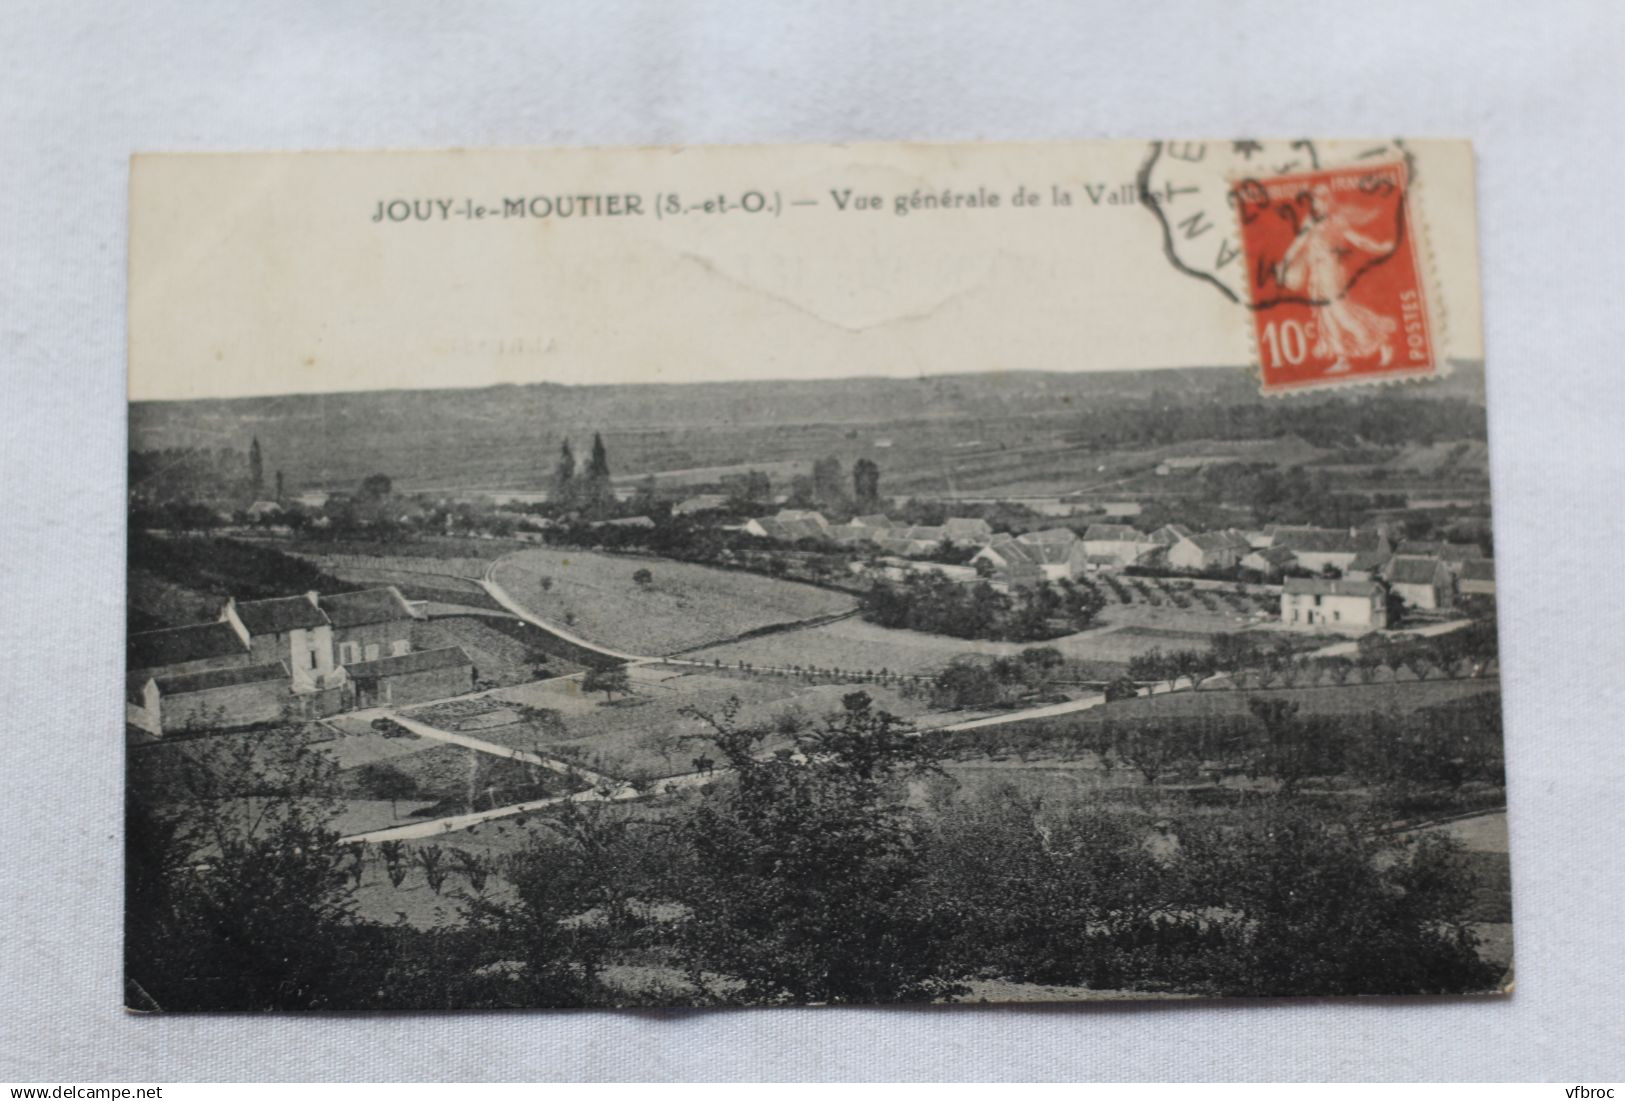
[
  {"x": 1318, "y": 548},
  {"x": 850, "y": 535},
  {"x": 1122, "y": 510},
  {"x": 1169, "y": 534},
  {"x": 784, "y": 531},
  {"x": 1115, "y": 545},
  {"x": 873, "y": 520},
  {"x": 370, "y": 624},
  {"x": 967, "y": 529},
  {"x": 1015, "y": 564},
  {"x": 1333, "y": 604},
  {"x": 1424, "y": 583},
  {"x": 1368, "y": 565},
  {"x": 705, "y": 502},
  {"x": 1208, "y": 550},
  {"x": 790, "y": 515},
  {"x": 1058, "y": 552},
  {"x": 1477, "y": 577},
  {"x": 1269, "y": 561},
  {"x": 1453, "y": 555}
]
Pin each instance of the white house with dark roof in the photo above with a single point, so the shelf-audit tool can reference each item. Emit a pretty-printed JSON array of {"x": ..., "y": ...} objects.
[
  {"x": 1333, "y": 604},
  {"x": 293, "y": 630}
]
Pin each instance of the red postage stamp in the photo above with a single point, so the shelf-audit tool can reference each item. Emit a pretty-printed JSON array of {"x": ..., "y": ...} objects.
[{"x": 1336, "y": 283}]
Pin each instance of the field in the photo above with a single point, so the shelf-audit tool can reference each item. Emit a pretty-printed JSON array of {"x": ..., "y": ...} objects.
[
  {"x": 852, "y": 644},
  {"x": 501, "y": 649},
  {"x": 1350, "y": 699},
  {"x": 647, "y": 733},
  {"x": 683, "y": 606}
]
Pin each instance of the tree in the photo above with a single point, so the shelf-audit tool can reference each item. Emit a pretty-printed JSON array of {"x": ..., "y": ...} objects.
[
  {"x": 803, "y": 878},
  {"x": 608, "y": 681},
  {"x": 564, "y": 477},
  {"x": 281, "y": 492},
  {"x": 1302, "y": 904},
  {"x": 829, "y": 483},
  {"x": 256, "y": 468},
  {"x": 381, "y": 780},
  {"x": 376, "y": 487},
  {"x": 238, "y": 895},
  {"x": 595, "y": 490},
  {"x": 643, "y": 578},
  {"x": 866, "y": 483}
]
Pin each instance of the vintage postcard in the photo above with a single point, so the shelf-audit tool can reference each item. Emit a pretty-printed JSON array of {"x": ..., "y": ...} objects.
[{"x": 752, "y": 576}]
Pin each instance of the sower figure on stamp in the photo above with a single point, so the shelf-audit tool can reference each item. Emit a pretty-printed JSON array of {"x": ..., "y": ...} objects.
[{"x": 1314, "y": 265}]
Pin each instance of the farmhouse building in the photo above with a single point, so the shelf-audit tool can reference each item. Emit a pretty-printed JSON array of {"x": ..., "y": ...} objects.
[
  {"x": 1320, "y": 602},
  {"x": 873, "y": 520},
  {"x": 1122, "y": 510},
  {"x": 1425, "y": 583},
  {"x": 1477, "y": 577},
  {"x": 369, "y": 624},
  {"x": 211, "y": 699},
  {"x": 293, "y": 630},
  {"x": 412, "y": 677}
]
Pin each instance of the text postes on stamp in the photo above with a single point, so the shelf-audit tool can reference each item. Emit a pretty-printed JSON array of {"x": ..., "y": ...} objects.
[{"x": 1333, "y": 277}]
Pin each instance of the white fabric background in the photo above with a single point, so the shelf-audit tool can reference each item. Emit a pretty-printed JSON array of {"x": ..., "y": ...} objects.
[{"x": 1538, "y": 87}]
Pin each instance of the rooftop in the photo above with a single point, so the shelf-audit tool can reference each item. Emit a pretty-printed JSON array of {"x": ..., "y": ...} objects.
[
  {"x": 381, "y": 605},
  {"x": 1114, "y": 533},
  {"x": 182, "y": 683},
  {"x": 1321, "y": 586},
  {"x": 418, "y": 661},
  {"x": 177, "y": 645},
  {"x": 280, "y": 614},
  {"x": 1409, "y": 569}
]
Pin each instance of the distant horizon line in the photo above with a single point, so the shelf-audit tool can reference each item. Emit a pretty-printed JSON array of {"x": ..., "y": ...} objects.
[{"x": 778, "y": 380}]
